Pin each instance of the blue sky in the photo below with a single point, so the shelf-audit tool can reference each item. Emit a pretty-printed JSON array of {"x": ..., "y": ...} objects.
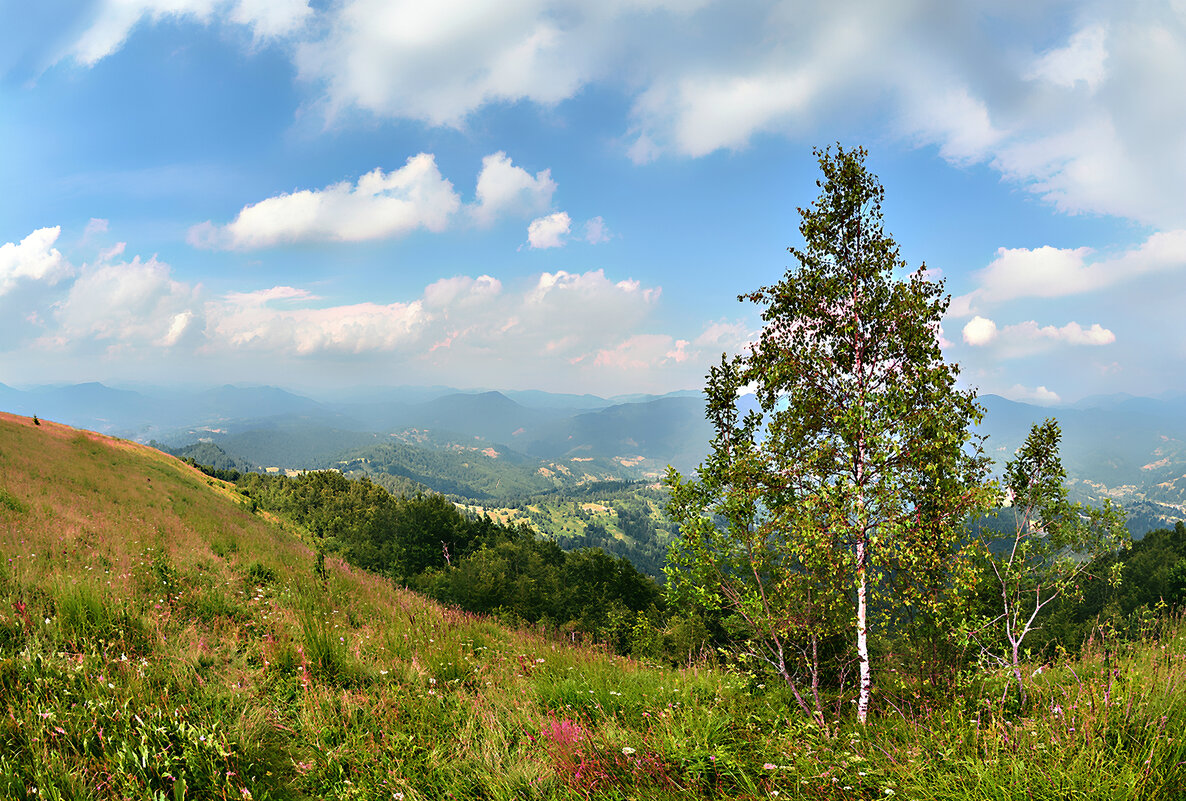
[{"x": 568, "y": 195}]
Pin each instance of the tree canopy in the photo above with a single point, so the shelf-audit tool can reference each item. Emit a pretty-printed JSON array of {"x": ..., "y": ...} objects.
[{"x": 857, "y": 468}]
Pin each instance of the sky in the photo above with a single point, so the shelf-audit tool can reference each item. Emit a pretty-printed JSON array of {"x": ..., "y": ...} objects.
[{"x": 570, "y": 196}]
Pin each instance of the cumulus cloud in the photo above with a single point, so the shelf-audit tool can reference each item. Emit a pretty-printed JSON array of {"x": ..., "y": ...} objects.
[
  {"x": 462, "y": 292},
  {"x": 250, "y": 321},
  {"x": 34, "y": 258},
  {"x": 980, "y": 331},
  {"x": 1027, "y": 338},
  {"x": 113, "y": 20},
  {"x": 1049, "y": 272},
  {"x": 723, "y": 336},
  {"x": 462, "y": 320},
  {"x": 1072, "y": 333},
  {"x": 548, "y": 332},
  {"x": 128, "y": 304},
  {"x": 504, "y": 188},
  {"x": 379, "y": 205},
  {"x": 550, "y": 231}
]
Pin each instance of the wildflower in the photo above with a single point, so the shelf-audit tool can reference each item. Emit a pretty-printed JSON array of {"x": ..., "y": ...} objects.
[
  {"x": 769, "y": 766},
  {"x": 627, "y": 750},
  {"x": 888, "y": 791}
]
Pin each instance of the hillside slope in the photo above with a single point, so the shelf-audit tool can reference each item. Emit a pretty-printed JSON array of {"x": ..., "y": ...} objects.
[{"x": 158, "y": 638}]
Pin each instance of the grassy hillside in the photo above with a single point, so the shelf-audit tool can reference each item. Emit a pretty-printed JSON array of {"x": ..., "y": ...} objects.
[{"x": 157, "y": 640}]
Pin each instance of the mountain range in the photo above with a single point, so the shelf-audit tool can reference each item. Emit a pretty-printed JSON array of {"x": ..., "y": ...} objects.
[{"x": 1128, "y": 448}]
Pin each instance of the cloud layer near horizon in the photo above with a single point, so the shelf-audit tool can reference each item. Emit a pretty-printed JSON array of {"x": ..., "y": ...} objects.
[{"x": 463, "y": 325}]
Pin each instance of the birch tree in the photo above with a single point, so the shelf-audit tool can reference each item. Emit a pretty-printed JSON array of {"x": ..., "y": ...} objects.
[
  {"x": 1052, "y": 544},
  {"x": 859, "y": 461}
]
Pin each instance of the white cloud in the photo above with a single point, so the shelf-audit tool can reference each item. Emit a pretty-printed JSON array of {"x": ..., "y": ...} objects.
[
  {"x": 1027, "y": 338},
  {"x": 379, "y": 205},
  {"x": 955, "y": 120},
  {"x": 548, "y": 332},
  {"x": 550, "y": 231},
  {"x": 272, "y": 18},
  {"x": 1049, "y": 272},
  {"x": 33, "y": 259},
  {"x": 461, "y": 321},
  {"x": 461, "y": 291},
  {"x": 131, "y": 304},
  {"x": 1082, "y": 60},
  {"x": 506, "y": 189},
  {"x": 980, "y": 331},
  {"x": 1072, "y": 333},
  {"x": 707, "y": 113},
  {"x": 1038, "y": 395},
  {"x": 262, "y": 297},
  {"x": 248, "y": 321},
  {"x": 113, "y": 20},
  {"x": 596, "y": 231},
  {"x": 439, "y": 61}
]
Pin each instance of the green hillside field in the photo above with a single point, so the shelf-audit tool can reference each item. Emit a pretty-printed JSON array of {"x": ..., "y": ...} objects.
[{"x": 158, "y": 640}]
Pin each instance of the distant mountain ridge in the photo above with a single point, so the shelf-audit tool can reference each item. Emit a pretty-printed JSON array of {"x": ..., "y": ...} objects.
[{"x": 1119, "y": 446}]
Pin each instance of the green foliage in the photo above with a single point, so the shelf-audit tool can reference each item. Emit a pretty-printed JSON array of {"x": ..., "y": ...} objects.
[
  {"x": 481, "y": 566},
  {"x": 857, "y": 470},
  {"x": 11, "y": 502},
  {"x": 1049, "y": 551},
  {"x": 210, "y": 459},
  {"x": 260, "y": 574},
  {"x": 466, "y": 472},
  {"x": 622, "y": 518}
]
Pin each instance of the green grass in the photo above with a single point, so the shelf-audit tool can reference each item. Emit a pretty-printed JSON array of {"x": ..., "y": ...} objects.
[{"x": 157, "y": 640}]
